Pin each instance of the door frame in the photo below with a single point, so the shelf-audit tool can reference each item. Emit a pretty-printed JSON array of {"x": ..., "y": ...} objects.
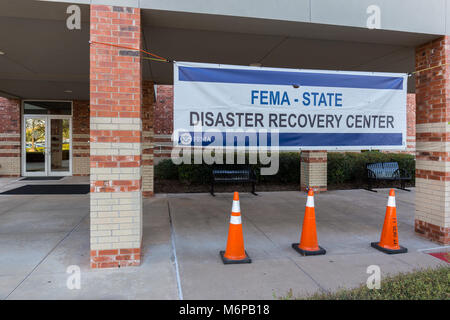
[{"x": 47, "y": 118}]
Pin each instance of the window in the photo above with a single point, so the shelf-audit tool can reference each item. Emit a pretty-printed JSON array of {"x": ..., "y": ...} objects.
[{"x": 47, "y": 107}]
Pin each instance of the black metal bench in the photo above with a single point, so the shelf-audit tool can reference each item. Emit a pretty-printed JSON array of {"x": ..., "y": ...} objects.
[
  {"x": 234, "y": 174},
  {"x": 386, "y": 171}
]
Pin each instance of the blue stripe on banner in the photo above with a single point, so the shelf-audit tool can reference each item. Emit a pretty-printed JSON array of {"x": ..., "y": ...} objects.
[
  {"x": 307, "y": 79},
  {"x": 298, "y": 139}
]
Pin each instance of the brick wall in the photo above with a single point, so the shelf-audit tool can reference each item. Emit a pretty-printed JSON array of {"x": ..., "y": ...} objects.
[
  {"x": 432, "y": 217},
  {"x": 10, "y": 124},
  {"x": 115, "y": 137},
  {"x": 80, "y": 138},
  {"x": 410, "y": 126},
  {"x": 148, "y": 106},
  {"x": 163, "y": 121},
  {"x": 411, "y": 123}
]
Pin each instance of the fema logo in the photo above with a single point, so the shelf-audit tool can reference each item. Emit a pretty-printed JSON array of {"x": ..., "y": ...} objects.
[{"x": 185, "y": 138}]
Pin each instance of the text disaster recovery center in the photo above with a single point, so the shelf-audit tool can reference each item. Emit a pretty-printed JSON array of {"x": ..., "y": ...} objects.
[{"x": 292, "y": 119}]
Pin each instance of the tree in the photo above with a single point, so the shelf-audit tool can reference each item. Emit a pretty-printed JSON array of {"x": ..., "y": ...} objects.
[{"x": 35, "y": 132}]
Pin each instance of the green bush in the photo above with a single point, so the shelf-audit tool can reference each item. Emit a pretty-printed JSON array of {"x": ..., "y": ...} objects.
[
  {"x": 194, "y": 173},
  {"x": 166, "y": 170},
  {"x": 343, "y": 168},
  {"x": 350, "y": 167},
  {"x": 289, "y": 171}
]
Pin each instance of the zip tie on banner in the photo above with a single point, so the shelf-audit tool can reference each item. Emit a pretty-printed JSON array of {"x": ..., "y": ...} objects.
[
  {"x": 158, "y": 58},
  {"x": 414, "y": 72}
]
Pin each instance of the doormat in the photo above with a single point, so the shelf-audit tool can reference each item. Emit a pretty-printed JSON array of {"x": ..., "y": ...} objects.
[
  {"x": 40, "y": 178},
  {"x": 50, "y": 189},
  {"x": 445, "y": 256}
]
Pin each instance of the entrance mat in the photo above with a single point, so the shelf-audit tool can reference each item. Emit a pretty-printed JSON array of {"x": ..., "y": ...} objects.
[
  {"x": 50, "y": 189},
  {"x": 40, "y": 178},
  {"x": 445, "y": 256}
]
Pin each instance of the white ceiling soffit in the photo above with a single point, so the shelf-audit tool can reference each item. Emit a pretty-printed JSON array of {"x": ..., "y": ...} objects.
[
  {"x": 43, "y": 58},
  {"x": 418, "y": 16},
  {"x": 271, "y": 51},
  {"x": 210, "y": 22},
  {"x": 41, "y": 9}
]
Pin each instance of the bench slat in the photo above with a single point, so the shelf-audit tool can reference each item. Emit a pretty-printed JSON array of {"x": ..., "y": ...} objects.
[{"x": 233, "y": 175}]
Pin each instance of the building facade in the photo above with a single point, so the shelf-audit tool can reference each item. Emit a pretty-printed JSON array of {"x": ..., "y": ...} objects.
[{"x": 82, "y": 101}]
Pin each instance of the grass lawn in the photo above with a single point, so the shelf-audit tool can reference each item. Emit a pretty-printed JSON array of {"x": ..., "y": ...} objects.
[{"x": 425, "y": 284}]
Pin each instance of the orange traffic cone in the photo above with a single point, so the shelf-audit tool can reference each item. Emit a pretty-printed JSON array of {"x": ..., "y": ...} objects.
[
  {"x": 308, "y": 245},
  {"x": 389, "y": 236},
  {"x": 235, "y": 252}
]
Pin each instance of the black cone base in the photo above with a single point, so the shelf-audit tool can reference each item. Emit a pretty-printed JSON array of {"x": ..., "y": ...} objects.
[
  {"x": 307, "y": 252},
  {"x": 229, "y": 261},
  {"x": 388, "y": 251}
]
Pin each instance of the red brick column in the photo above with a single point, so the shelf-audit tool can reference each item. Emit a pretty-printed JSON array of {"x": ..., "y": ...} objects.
[
  {"x": 80, "y": 138},
  {"x": 115, "y": 137},
  {"x": 148, "y": 105},
  {"x": 432, "y": 218},
  {"x": 411, "y": 123},
  {"x": 10, "y": 125},
  {"x": 163, "y": 122},
  {"x": 313, "y": 170}
]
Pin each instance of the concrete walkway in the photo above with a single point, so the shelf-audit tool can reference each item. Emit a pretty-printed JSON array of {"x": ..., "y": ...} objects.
[{"x": 40, "y": 236}]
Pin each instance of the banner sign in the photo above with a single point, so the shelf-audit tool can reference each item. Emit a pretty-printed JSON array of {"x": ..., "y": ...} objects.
[{"x": 294, "y": 109}]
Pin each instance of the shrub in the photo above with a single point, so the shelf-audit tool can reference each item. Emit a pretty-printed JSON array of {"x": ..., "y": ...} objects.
[
  {"x": 289, "y": 171},
  {"x": 166, "y": 170},
  {"x": 350, "y": 167},
  {"x": 194, "y": 173},
  {"x": 343, "y": 168}
]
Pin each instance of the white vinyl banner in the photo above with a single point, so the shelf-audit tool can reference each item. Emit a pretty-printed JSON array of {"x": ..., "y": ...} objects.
[{"x": 289, "y": 108}]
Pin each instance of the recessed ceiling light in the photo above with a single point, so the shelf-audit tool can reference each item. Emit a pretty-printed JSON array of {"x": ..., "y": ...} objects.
[
  {"x": 68, "y": 91},
  {"x": 1, "y": 53}
]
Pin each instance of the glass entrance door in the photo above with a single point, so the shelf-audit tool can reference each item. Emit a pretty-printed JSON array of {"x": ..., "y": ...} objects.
[
  {"x": 47, "y": 146},
  {"x": 59, "y": 155},
  {"x": 35, "y": 146}
]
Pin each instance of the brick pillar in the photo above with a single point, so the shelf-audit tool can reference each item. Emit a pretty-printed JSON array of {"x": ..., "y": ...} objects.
[
  {"x": 313, "y": 170},
  {"x": 163, "y": 122},
  {"x": 10, "y": 125},
  {"x": 148, "y": 105},
  {"x": 432, "y": 219},
  {"x": 80, "y": 138},
  {"x": 411, "y": 123},
  {"x": 115, "y": 137}
]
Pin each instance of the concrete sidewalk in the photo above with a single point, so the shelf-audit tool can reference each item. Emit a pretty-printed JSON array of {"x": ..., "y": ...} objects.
[
  {"x": 40, "y": 236},
  {"x": 347, "y": 222}
]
